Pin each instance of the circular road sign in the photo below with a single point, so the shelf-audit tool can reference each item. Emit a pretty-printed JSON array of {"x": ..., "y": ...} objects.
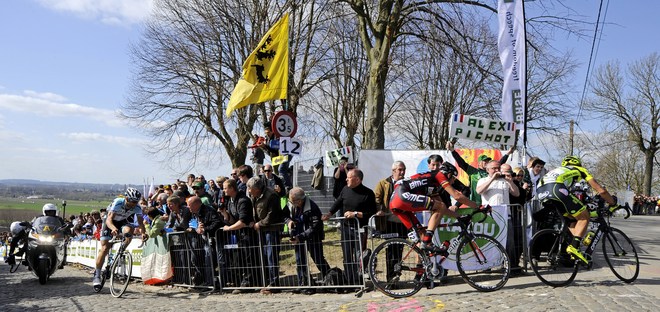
[{"x": 284, "y": 124}]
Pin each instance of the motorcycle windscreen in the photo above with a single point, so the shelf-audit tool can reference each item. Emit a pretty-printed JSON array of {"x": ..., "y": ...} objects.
[{"x": 46, "y": 225}]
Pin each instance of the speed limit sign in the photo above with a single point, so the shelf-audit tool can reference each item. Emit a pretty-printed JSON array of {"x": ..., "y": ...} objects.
[{"x": 284, "y": 124}]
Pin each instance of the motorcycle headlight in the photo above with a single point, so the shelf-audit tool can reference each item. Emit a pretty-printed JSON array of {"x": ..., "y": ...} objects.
[{"x": 46, "y": 238}]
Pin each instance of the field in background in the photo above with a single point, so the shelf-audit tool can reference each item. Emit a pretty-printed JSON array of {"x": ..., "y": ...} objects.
[{"x": 22, "y": 209}]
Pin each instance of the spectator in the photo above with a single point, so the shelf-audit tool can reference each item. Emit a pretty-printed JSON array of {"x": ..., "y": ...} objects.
[
  {"x": 340, "y": 176},
  {"x": 200, "y": 191},
  {"x": 474, "y": 173},
  {"x": 238, "y": 217},
  {"x": 386, "y": 222},
  {"x": 272, "y": 181},
  {"x": 496, "y": 187},
  {"x": 355, "y": 201},
  {"x": 203, "y": 220},
  {"x": 157, "y": 225},
  {"x": 272, "y": 147},
  {"x": 515, "y": 230},
  {"x": 535, "y": 171},
  {"x": 161, "y": 204},
  {"x": 244, "y": 174},
  {"x": 258, "y": 154},
  {"x": 268, "y": 217},
  {"x": 179, "y": 214},
  {"x": 306, "y": 228},
  {"x": 190, "y": 180},
  {"x": 219, "y": 195}
]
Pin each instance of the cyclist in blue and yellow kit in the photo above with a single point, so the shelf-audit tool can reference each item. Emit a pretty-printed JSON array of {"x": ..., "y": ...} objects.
[
  {"x": 120, "y": 213},
  {"x": 554, "y": 190}
]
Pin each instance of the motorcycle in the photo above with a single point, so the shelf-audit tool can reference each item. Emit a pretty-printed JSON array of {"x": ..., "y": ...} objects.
[{"x": 46, "y": 246}]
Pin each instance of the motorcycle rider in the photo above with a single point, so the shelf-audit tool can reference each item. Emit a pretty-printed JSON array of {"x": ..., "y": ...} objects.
[
  {"x": 19, "y": 231},
  {"x": 119, "y": 212}
]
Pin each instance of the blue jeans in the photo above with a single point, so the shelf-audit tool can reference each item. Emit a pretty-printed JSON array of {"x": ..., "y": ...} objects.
[{"x": 271, "y": 247}]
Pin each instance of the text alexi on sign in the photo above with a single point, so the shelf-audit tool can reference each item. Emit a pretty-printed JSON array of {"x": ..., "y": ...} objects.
[{"x": 481, "y": 129}]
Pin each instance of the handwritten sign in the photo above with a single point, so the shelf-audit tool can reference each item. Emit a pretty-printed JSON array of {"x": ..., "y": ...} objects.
[
  {"x": 481, "y": 129},
  {"x": 332, "y": 157}
]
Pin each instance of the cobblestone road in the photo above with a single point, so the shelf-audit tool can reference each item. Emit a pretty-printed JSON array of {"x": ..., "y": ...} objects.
[{"x": 597, "y": 290}]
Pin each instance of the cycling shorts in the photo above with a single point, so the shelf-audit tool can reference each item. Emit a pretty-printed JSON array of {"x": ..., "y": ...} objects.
[
  {"x": 557, "y": 195},
  {"x": 404, "y": 205},
  {"x": 106, "y": 233}
]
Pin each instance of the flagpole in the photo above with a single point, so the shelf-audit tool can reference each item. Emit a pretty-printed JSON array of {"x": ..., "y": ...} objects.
[{"x": 526, "y": 80}]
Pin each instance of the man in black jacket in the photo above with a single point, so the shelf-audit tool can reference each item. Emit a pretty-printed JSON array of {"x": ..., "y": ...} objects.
[
  {"x": 203, "y": 220},
  {"x": 306, "y": 229},
  {"x": 241, "y": 258},
  {"x": 355, "y": 201}
]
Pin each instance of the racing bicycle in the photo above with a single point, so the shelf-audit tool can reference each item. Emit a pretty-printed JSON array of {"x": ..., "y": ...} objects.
[
  {"x": 555, "y": 267},
  {"x": 480, "y": 259},
  {"x": 118, "y": 268}
]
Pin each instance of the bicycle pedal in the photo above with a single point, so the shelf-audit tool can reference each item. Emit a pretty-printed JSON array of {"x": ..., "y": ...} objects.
[{"x": 430, "y": 285}]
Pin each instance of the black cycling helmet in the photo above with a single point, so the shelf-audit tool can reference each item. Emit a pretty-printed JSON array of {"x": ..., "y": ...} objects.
[
  {"x": 449, "y": 170},
  {"x": 571, "y": 161},
  {"x": 132, "y": 194}
]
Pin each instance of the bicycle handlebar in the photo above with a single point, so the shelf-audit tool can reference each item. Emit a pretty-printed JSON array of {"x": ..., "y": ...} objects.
[{"x": 626, "y": 207}]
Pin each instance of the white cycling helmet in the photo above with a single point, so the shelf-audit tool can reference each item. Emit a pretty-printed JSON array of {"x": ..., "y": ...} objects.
[
  {"x": 16, "y": 228},
  {"x": 49, "y": 207}
]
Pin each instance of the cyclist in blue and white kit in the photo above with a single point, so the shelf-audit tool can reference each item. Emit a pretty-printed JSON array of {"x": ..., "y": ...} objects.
[{"x": 118, "y": 216}]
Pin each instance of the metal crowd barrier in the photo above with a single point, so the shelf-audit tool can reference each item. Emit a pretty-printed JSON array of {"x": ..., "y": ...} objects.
[
  {"x": 192, "y": 260},
  {"x": 243, "y": 259}
]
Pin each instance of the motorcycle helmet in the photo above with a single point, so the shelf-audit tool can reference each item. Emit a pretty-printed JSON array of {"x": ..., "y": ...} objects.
[
  {"x": 16, "y": 228},
  {"x": 571, "y": 161},
  {"x": 50, "y": 207},
  {"x": 449, "y": 170},
  {"x": 132, "y": 195}
]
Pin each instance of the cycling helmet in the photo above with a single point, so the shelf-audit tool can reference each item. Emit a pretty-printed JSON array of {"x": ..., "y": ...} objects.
[
  {"x": 49, "y": 207},
  {"x": 132, "y": 194},
  {"x": 571, "y": 161},
  {"x": 16, "y": 228},
  {"x": 449, "y": 170}
]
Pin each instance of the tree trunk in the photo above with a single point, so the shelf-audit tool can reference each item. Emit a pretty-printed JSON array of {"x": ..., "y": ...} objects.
[
  {"x": 649, "y": 155},
  {"x": 374, "y": 137}
]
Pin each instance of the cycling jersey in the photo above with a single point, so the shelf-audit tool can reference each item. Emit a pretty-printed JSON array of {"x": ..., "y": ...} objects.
[
  {"x": 568, "y": 175},
  {"x": 123, "y": 213},
  {"x": 410, "y": 195}
]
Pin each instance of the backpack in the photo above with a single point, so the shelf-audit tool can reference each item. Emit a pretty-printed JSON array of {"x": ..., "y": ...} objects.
[{"x": 334, "y": 277}]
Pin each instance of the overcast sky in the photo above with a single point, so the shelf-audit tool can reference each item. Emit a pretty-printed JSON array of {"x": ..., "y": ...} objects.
[{"x": 64, "y": 71}]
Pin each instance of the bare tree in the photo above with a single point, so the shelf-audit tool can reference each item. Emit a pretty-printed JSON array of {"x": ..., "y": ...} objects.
[
  {"x": 631, "y": 102},
  {"x": 336, "y": 106},
  {"x": 187, "y": 64}
]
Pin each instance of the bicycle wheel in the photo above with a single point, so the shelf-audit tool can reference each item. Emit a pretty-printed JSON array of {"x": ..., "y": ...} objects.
[
  {"x": 121, "y": 274},
  {"x": 549, "y": 259},
  {"x": 397, "y": 268},
  {"x": 621, "y": 255},
  {"x": 483, "y": 263}
]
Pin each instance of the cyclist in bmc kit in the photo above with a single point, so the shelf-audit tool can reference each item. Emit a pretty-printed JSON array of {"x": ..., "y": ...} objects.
[
  {"x": 117, "y": 219},
  {"x": 554, "y": 189},
  {"x": 410, "y": 197}
]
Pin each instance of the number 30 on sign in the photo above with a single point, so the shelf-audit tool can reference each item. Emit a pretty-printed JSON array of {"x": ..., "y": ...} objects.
[{"x": 290, "y": 146}]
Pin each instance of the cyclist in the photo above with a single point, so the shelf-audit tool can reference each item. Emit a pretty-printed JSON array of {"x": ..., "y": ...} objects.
[
  {"x": 554, "y": 189},
  {"x": 410, "y": 196},
  {"x": 119, "y": 213}
]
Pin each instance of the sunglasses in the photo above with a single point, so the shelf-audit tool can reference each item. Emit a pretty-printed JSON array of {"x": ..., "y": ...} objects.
[{"x": 268, "y": 170}]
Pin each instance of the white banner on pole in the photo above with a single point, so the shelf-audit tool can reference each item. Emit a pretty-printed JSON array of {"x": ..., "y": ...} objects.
[{"x": 512, "y": 48}]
